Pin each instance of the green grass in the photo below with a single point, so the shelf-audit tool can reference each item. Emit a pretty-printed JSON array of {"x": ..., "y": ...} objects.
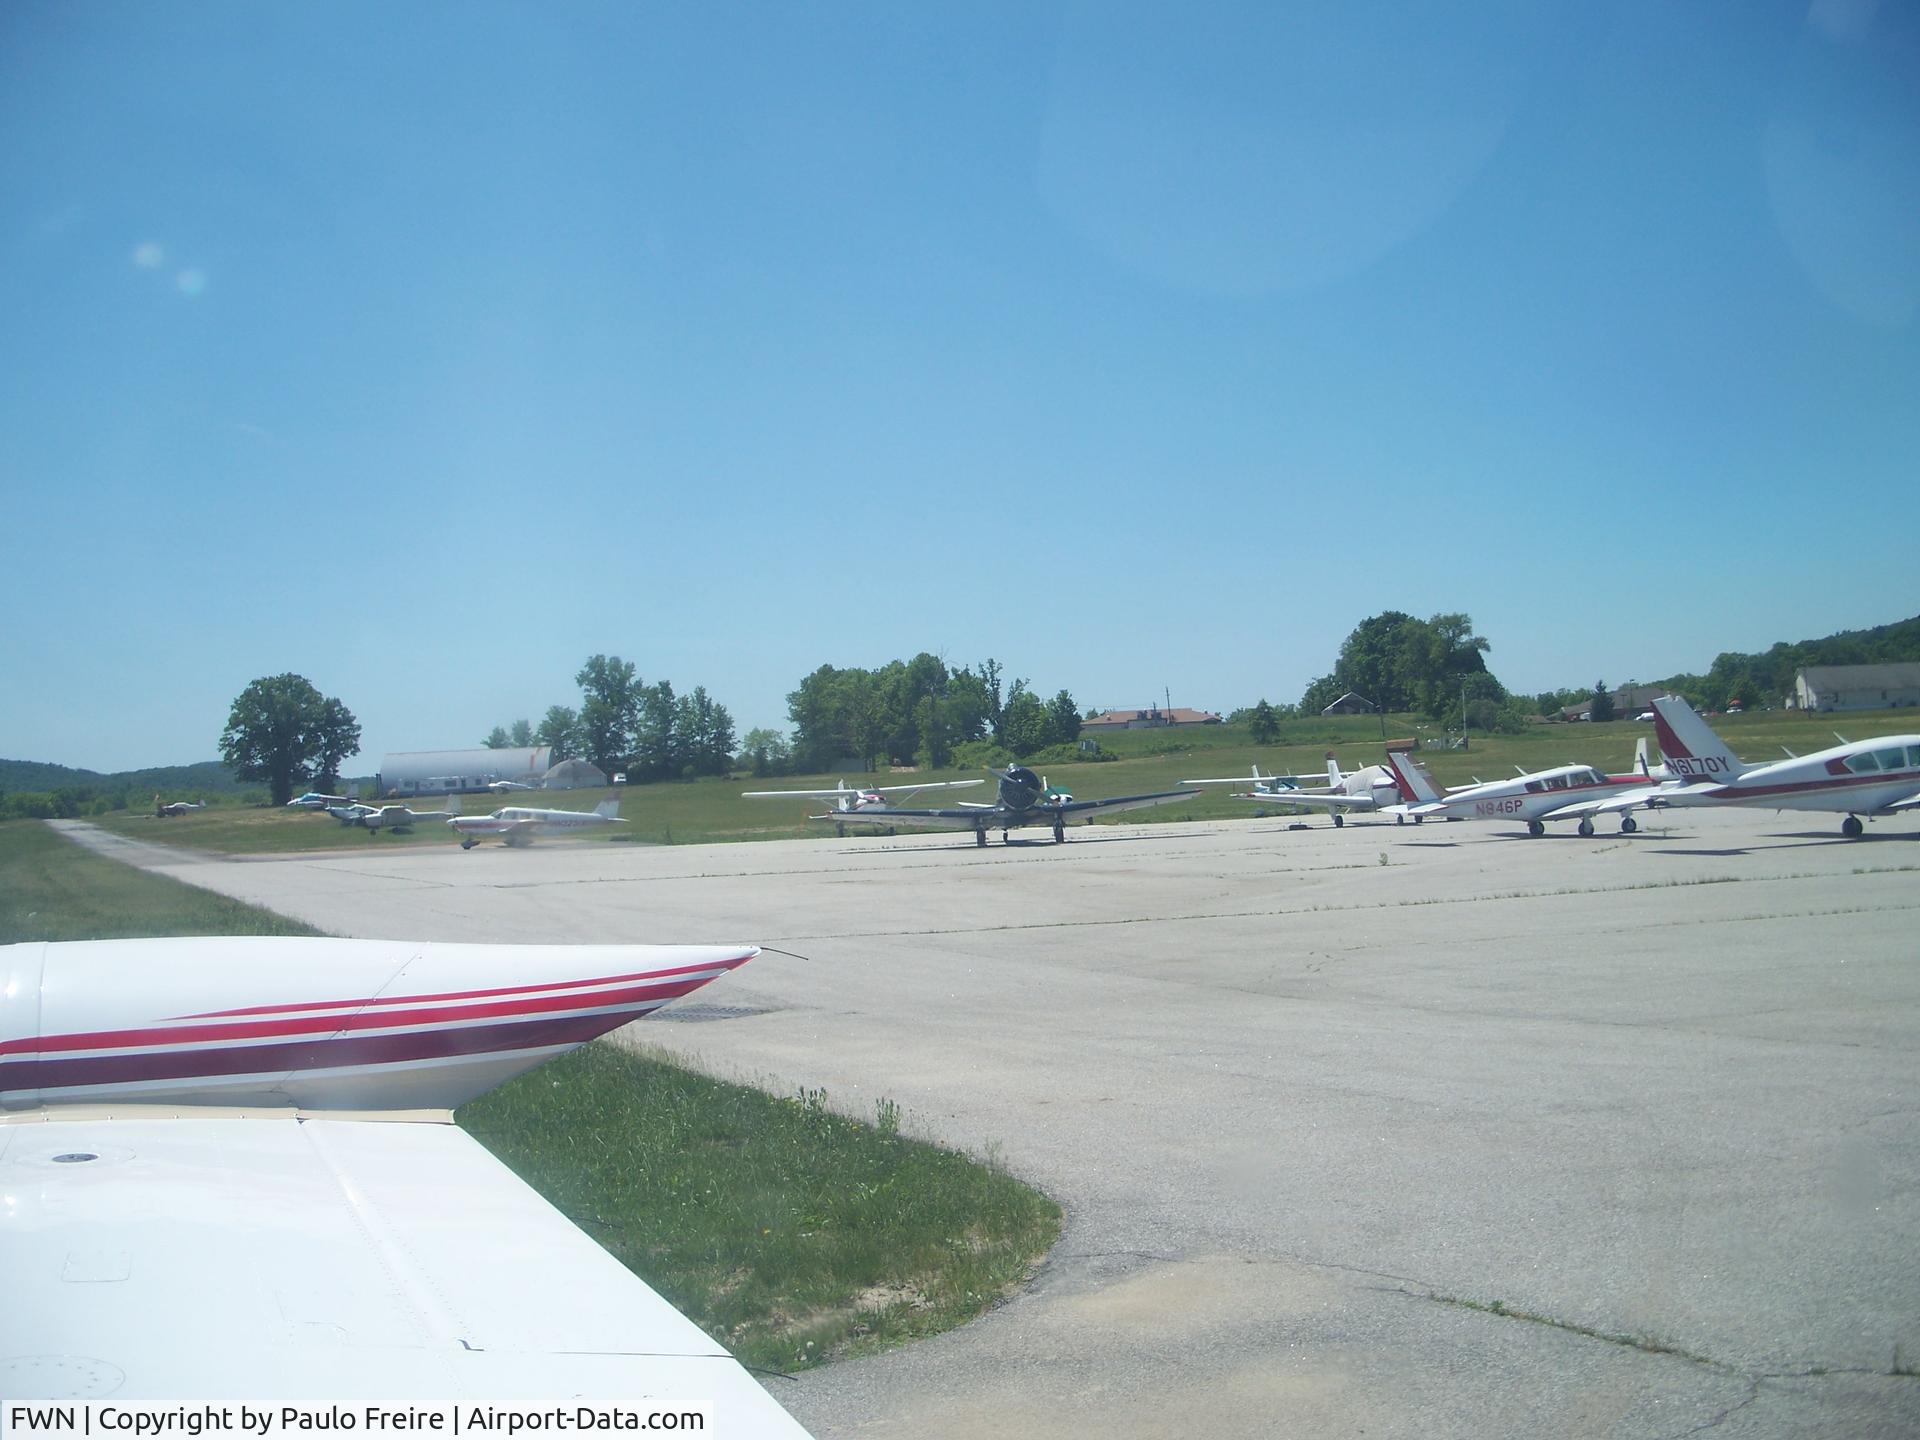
[
  {"x": 705, "y": 811},
  {"x": 791, "y": 1233},
  {"x": 52, "y": 889},
  {"x": 788, "y": 1232}
]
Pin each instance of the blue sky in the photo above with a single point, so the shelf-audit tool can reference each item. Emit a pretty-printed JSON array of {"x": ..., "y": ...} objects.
[{"x": 427, "y": 350}]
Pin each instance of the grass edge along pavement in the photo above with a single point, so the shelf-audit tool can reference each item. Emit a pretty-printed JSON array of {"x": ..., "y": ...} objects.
[{"x": 789, "y": 1232}]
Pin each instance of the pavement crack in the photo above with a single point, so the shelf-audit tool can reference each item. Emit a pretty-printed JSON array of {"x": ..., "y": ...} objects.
[{"x": 1753, "y": 1394}]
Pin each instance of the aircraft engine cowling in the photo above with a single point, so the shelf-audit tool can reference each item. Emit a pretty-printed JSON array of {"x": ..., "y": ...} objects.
[{"x": 1020, "y": 788}]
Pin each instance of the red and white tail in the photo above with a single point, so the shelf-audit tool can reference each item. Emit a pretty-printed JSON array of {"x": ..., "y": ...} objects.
[
  {"x": 1416, "y": 785},
  {"x": 1689, "y": 746}
]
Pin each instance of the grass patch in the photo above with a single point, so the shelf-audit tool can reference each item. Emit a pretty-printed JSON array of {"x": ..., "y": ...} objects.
[
  {"x": 792, "y": 1234},
  {"x": 789, "y": 1232},
  {"x": 53, "y": 889}
]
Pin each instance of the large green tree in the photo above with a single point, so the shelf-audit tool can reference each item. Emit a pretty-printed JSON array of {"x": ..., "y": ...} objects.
[
  {"x": 610, "y": 700},
  {"x": 285, "y": 732},
  {"x": 560, "y": 732}
]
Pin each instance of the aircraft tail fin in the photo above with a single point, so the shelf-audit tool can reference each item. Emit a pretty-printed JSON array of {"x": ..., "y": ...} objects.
[
  {"x": 1415, "y": 783},
  {"x": 1691, "y": 749},
  {"x": 609, "y": 808},
  {"x": 1640, "y": 763},
  {"x": 1334, "y": 778}
]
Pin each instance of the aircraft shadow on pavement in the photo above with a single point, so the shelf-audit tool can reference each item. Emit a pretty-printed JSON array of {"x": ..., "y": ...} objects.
[
  {"x": 1047, "y": 842},
  {"x": 1800, "y": 840}
]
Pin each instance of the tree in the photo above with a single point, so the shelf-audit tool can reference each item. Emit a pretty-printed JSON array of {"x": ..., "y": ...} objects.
[
  {"x": 496, "y": 738},
  {"x": 1262, "y": 725},
  {"x": 1602, "y": 702},
  {"x": 765, "y": 750},
  {"x": 285, "y": 732},
  {"x": 1064, "y": 716},
  {"x": 609, "y": 710},
  {"x": 1025, "y": 724},
  {"x": 560, "y": 732},
  {"x": 521, "y": 735}
]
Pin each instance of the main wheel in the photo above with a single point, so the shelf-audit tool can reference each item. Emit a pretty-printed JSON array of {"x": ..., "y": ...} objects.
[
  {"x": 1586, "y": 825},
  {"x": 1399, "y": 819},
  {"x": 1338, "y": 819},
  {"x": 1059, "y": 831},
  {"x": 1535, "y": 828},
  {"x": 1419, "y": 819},
  {"x": 980, "y": 837},
  {"x": 1628, "y": 825},
  {"x": 1852, "y": 828},
  {"x": 468, "y": 843}
]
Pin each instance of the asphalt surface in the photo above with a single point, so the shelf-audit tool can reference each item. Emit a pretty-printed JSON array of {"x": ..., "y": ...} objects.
[{"x": 1380, "y": 1131}]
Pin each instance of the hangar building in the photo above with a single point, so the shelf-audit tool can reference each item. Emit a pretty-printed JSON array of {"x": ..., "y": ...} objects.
[{"x": 455, "y": 772}]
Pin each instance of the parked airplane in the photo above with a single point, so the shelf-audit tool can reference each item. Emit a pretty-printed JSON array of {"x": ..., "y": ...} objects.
[
  {"x": 1864, "y": 777},
  {"x": 849, "y": 802},
  {"x": 502, "y": 787},
  {"x": 518, "y": 824},
  {"x": 314, "y": 800},
  {"x": 1025, "y": 799},
  {"x": 393, "y": 817},
  {"x": 178, "y": 807},
  {"x": 1369, "y": 789},
  {"x": 230, "y": 1160},
  {"x": 1566, "y": 792}
]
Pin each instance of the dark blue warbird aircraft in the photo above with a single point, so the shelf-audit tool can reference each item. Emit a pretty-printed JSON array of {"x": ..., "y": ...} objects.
[{"x": 1025, "y": 799}]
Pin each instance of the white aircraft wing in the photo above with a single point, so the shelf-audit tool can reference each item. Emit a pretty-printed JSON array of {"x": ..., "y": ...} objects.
[
  {"x": 199, "y": 1256},
  {"x": 1313, "y": 797},
  {"x": 1289, "y": 781},
  {"x": 845, "y": 792},
  {"x": 1906, "y": 804}
]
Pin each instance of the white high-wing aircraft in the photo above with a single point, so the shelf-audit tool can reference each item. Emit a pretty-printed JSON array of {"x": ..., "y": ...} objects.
[
  {"x": 848, "y": 803},
  {"x": 314, "y": 800},
  {"x": 229, "y": 1170},
  {"x": 1566, "y": 792},
  {"x": 1864, "y": 777},
  {"x": 518, "y": 824},
  {"x": 1373, "y": 788}
]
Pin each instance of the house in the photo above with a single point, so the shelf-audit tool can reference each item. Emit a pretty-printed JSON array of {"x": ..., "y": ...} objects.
[
  {"x": 1628, "y": 701},
  {"x": 1148, "y": 719},
  {"x": 1856, "y": 687}
]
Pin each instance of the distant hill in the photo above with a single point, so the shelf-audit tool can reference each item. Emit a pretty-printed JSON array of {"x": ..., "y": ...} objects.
[{"x": 209, "y": 777}]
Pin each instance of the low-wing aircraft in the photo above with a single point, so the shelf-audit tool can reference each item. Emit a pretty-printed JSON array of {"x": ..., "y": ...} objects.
[
  {"x": 1862, "y": 777},
  {"x": 231, "y": 1160},
  {"x": 1365, "y": 790},
  {"x": 177, "y": 807},
  {"x": 1566, "y": 792},
  {"x": 503, "y": 787},
  {"x": 314, "y": 800},
  {"x": 848, "y": 803},
  {"x": 1024, "y": 799},
  {"x": 393, "y": 817},
  {"x": 518, "y": 824}
]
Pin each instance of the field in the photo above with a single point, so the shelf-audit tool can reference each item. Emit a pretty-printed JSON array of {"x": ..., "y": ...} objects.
[
  {"x": 693, "y": 812},
  {"x": 788, "y": 1231}
]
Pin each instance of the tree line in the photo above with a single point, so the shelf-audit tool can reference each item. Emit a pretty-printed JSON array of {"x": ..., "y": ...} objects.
[
  {"x": 624, "y": 725},
  {"x": 913, "y": 712},
  {"x": 1435, "y": 667}
]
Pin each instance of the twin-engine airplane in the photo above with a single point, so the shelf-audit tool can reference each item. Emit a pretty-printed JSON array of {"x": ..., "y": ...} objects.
[
  {"x": 1566, "y": 792},
  {"x": 848, "y": 803},
  {"x": 1864, "y": 777},
  {"x": 228, "y": 1167},
  {"x": 1373, "y": 788},
  {"x": 1024, "y": 799},
  {"x": 518, "y": 824}
]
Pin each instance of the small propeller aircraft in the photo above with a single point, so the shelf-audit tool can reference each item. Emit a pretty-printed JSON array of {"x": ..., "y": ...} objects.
[
  {"x": 1370, "y": 789},
  {"x": 1566, "y": 792},
  {"x": 314, "y": 800},
  {"x": 848, "y": 803},
  {"x": 1860, "y": 777},
  {"x": 504, "y": 787},
  {"x": 1024, "y": 799},
  {"x": 177, "y": 807},
  {"x": 391, "y": 817},
  {"x": 518, "y": 824},
  {"x": 231, "y": 1160}
]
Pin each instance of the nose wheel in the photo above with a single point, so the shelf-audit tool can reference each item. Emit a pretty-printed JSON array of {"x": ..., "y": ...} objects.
[
  {"x": 1338, "y": 820},
  {"x": 468, "y": 843},
  {"x": 1852, "y": 828}
]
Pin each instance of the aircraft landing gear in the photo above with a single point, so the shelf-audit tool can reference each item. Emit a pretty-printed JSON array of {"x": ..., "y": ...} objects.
[
  {"x": 1536, "y": 829},
  {"x": 1399, "y": 819},
  {"x": 980, "y": 837},
  {"x": 839, "y": 830},
  {"x": 1006, "y": 837},
  {"x": 1628, "y": 825},
  {"x": 1852, "y": 828},
  {"x": 1059, "y": 831},
  {"x": 1586, "y": 825},
  {"x": 1338, "y": 820},
  {"x": 1419, "y": 819},
  {"x": 468, "y": 843}
]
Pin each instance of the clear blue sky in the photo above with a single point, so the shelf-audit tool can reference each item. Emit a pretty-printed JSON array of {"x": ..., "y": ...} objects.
[{"x": 425, "y": 350}]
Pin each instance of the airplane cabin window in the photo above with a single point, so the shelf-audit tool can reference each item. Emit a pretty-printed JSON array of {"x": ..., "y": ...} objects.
[
  {"x": 1862, "y": 764},
  {"x": 1894, "y": 759}
]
